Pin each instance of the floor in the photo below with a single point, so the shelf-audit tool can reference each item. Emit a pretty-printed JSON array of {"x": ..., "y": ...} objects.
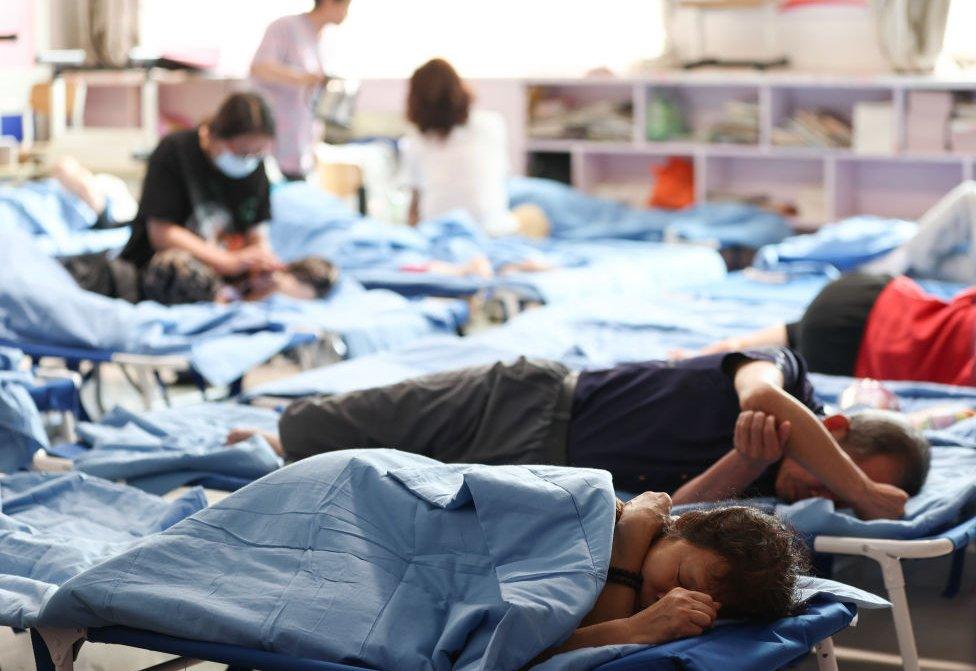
[{"x": 945, "y": 628}]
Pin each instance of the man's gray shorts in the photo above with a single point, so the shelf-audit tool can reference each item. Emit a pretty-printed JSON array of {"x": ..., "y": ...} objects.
[{"x": 504, "y": 413}]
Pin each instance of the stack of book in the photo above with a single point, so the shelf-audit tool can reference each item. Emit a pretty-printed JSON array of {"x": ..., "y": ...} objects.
[
  {"x": 739, "y": 124},
  {"x": 808, "y": 128},
  {"x": 962, "y": 128},
  {"x": 927, "y": 121}
]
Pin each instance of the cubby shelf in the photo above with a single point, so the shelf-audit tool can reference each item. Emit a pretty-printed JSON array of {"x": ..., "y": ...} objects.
[{"x": 898, "y": 184}]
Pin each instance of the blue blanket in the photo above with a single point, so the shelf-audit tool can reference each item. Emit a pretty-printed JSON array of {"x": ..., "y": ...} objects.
[
  {"x": 161, "y": 450},
  {"x": 593, "y": 333},
  {"x": 52, "y": 527},
  {"x": 342, "y": 555},
  {"x": 59, "y": 221},
  {"x": 844, "y": 245},
  {"x": 41, "y": 304},
  {"x": 577, "y": 216},
  {"x": 308, "y": 221},
  {"x": 376, "y": 558}
]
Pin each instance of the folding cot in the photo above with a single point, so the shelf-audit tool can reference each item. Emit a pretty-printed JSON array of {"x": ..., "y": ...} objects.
[
  {"x": 737, "y": 647},
  {"x": 144, "y": 370},
  {"x": 599, "y": 334}
]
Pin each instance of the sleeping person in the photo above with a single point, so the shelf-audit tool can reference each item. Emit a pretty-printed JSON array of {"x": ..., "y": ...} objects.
[
  {"x": 671, "y": 577},
  {"x": 389, "y": 560},
  {"x": 877, "y": 326},
  {"x": 185, "y": 279},
  {"x": 744, "y": 423}
]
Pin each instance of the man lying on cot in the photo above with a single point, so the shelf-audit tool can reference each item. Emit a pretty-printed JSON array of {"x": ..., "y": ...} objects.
[
  {"x": 705, "y": 429},
  {"x": 877, "y": 326}
]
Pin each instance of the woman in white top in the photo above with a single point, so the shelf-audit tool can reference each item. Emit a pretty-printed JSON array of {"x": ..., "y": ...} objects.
[{"x": 456, "y": 157}]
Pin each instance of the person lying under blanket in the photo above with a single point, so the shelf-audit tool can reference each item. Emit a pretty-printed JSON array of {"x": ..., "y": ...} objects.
[
  {"x": 743, "y": 423},
  {"x": 175, "y": 277},
  {"x": 877, "y": 326},
  {"x": 410, "y": 564}
]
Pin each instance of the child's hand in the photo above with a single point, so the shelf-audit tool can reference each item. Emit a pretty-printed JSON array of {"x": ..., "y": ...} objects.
[
  {"x": 650, "y": 511},
  {"x": 758, "y": 439},
  {"x": 678, "y": 614}
]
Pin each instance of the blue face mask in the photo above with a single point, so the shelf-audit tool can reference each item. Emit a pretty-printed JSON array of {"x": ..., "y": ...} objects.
[{"x": 236, "y": 167}]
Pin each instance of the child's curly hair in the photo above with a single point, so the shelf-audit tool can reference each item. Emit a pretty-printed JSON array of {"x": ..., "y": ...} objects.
[{"x": 764, "y": 558}]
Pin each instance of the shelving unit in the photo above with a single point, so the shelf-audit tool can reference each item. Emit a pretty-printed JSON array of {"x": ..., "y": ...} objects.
[{"x": 846, "y": 182}]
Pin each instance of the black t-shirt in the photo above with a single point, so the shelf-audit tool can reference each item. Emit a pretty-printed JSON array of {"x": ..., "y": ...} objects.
[
  {"x": 829, "y": 334},
  {"x": 655, "y": 425},
  {"x": 184, "y": 187}
]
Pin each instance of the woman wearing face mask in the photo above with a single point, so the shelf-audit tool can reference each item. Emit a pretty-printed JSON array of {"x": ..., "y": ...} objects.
[{"x": 204, "y": 199}]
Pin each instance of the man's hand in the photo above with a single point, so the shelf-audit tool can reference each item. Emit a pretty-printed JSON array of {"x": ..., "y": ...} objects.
[
  {"x": 758, "y": 439},
  {"x": 678, "y": 614},
  {"x": 881, "y": 502}
]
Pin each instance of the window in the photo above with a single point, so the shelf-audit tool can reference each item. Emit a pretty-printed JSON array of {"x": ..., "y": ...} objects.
[{"x": 389, "y": 38}]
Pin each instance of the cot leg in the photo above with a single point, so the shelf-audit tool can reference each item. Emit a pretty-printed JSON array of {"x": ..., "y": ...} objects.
[
  {"x": 826, "y": 660},
  {"x": 68, "y": 426},
  {"x": 894, "y": 579},
  {"x": 57, "y": 647}
]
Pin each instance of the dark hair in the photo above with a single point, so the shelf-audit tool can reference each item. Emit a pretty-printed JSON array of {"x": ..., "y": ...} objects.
[
  {"x": 316, "y": 272},
  {"x": 874, "y": 432},
  {"x": 242, "y": 114},
  {"x": 175, "y": 276},
  {"x": 438, "y": 100},
  {"x": 764, "y": 558}
]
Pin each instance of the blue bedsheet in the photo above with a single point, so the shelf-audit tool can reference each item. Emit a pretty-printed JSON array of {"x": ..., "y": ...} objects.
[
  {"x": 585, "y": 334},
  {"x": 21, "y": 428},
  {"x": 40, "y": 303},
  {"x": 60, "y": 222},
  {"x": 404, "y": 562},
  {"x": 164, "y": 449},
  {"x": 380, "y": 255},
  {"x": 574, "y": 215},
  {"x": 844, "y": 245},
  {"x": 52, "y": 527}
]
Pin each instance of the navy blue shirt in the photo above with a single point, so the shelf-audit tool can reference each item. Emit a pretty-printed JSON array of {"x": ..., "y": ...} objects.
[{"x": 655, "y": 425}]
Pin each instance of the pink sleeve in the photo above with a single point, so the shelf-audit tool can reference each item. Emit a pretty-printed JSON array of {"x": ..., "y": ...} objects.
[{"x": 273, "y": 45}]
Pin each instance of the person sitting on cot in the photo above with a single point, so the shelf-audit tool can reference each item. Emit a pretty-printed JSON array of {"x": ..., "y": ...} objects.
[
  {"x": 738, "y": 424},
  {"x": 672, "y": 577},
  {"x": 206, "y": 193},
  {"x": 456, "y": 158},
  {"x": 877, "y": 326}
]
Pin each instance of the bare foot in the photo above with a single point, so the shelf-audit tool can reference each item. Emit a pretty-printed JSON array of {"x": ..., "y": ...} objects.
[{"x": 235, "y": 436}]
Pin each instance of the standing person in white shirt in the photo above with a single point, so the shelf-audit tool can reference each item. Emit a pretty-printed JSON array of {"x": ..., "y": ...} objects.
[
  {"x": 457, "y": 158},
  {"x": 288, "y": 71}
]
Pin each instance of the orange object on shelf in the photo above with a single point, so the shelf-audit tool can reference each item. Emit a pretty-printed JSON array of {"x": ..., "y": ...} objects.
[{"x": 674, "y": 184}]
